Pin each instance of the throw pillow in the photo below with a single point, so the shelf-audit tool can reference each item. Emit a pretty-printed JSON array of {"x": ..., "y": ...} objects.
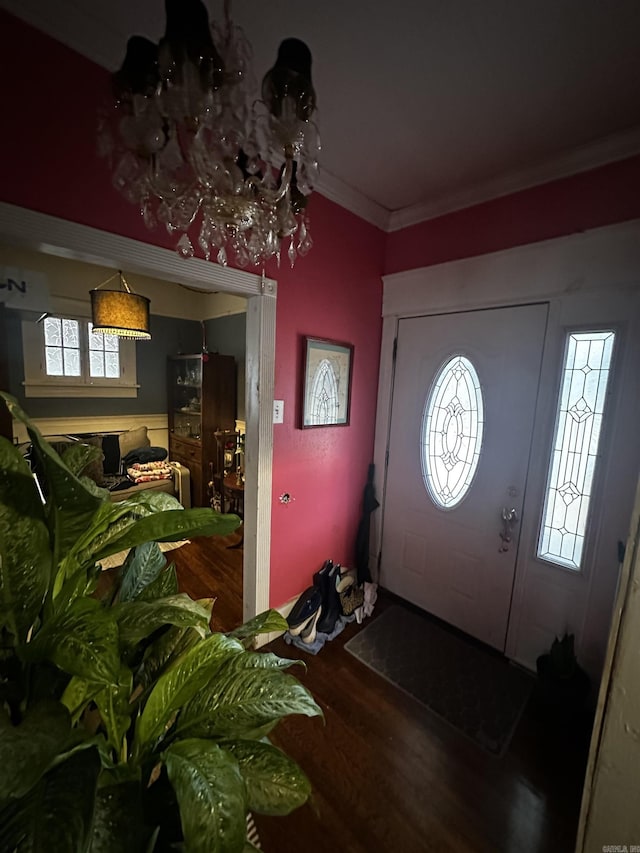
[{"x": 133, "y": 439}]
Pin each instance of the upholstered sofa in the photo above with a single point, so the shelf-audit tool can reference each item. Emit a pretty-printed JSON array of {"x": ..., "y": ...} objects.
[{"x": 125, "y": 468}]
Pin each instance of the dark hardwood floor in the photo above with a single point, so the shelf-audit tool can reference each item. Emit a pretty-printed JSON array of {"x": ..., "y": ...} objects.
[
  {"x": 387, "y": 774},
  {"x": 210, "y": 567}
]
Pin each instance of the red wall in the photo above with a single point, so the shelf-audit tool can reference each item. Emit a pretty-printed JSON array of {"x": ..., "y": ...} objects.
[
  {"x": 335, "y": 292},
  {"x": 51, "y": 97},
  {"x": 50, "y": 102},
  {"x": 591, "y": 199}
]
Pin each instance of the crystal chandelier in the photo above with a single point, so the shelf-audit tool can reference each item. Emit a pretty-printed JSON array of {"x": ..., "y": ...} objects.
[{"x": 190, "y": 143}]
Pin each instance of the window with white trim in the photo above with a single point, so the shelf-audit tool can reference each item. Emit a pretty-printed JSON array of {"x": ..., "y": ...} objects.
[
  {"x": 574, "y": 453},
  {"x": 63, "y": 357}
]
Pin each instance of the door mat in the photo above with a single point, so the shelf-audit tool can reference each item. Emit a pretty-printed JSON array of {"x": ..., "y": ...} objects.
[{"x": 473, "y": 689}]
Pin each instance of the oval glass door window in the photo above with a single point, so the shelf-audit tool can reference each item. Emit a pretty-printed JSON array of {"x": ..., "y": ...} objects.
[{"x": 452, "y": 426}]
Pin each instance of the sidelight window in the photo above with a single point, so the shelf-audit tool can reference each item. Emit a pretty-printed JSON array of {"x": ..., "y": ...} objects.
[
  {"x": 580, "y": 409},
  {"x": 452, "y": 426}
]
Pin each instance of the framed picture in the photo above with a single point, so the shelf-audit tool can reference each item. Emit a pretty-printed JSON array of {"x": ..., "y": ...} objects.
[{"x": 326, "y": 387}]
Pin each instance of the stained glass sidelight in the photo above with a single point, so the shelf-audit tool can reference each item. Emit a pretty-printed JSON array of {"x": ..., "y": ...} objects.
[
  {"x": 324, "y": 394},
  {"x": 585, "y": 376},
  {"x": 452, "y": 426}
]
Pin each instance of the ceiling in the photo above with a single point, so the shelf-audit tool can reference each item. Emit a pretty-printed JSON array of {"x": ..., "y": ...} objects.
[{"x": 425, "y": 106}]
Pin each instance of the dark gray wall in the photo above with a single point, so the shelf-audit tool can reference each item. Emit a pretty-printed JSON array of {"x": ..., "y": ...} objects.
[
  {"x": 228, "y": 336},
  {"x": 169, "y": 336}
]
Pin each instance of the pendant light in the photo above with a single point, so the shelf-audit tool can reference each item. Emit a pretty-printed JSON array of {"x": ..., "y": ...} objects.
[{"x": 120, "y": 312}]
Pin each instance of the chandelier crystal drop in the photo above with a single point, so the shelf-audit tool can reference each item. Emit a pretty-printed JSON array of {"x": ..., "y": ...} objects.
[{"x": 190, "y": 143}]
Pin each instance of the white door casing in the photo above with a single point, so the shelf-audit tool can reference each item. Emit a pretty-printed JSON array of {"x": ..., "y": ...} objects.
[
  {"x": 452, "y": 561},
  {"x": 49, "y": 234},
  {"x": 578, "y": 276},
  {"x": 550, "y": 599}
]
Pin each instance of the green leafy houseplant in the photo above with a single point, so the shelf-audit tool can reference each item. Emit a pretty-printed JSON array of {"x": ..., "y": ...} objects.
[{"x": 125, "y": 723}]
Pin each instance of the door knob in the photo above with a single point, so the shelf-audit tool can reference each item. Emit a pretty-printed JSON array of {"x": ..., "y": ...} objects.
[{"x": 509, "y": 520}]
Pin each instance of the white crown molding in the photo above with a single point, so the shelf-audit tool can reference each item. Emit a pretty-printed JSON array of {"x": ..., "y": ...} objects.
[
  {"x": 599, "y": 153},
  {"x": 336, "y": 190},
  {"x": 592, "y": 261}
]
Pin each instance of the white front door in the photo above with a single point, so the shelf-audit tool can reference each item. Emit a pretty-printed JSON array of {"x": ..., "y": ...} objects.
[{"x": 441, "y": 542}]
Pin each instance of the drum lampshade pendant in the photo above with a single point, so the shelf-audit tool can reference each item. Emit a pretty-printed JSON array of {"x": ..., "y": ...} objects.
[{"x": 120, "y": 312}]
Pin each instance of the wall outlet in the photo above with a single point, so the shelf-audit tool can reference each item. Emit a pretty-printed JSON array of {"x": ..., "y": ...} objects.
[{"x": 278, "y": 411}]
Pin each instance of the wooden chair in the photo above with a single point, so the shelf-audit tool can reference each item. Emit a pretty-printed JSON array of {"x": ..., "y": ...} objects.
[{"x": 226, "y": 478}]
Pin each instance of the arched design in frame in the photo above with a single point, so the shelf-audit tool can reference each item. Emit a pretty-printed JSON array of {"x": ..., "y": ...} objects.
[{"x": 326, "y": 389}]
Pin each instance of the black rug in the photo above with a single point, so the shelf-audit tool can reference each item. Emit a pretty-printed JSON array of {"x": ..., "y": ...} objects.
[{"x": 478, "y": 692}]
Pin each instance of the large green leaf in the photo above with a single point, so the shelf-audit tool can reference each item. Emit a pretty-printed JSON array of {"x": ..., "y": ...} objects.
[
  {"x": 264, "y": 660},
  {"x": 27, "y": 750},
  {"x": 115, "y": 708},
  {"x": 78, "y": 694},
  {"x": 139, "y": 619},
  {"x": 78, "y": 455},
  {"x": 180, "y": 683},
  {"x": 263, "y": 623},
  {"x": 82, "y": 640},
  {"x": 70, "y": 506},
  {"x": 25, "y": 556},
  {"x": 170, "y": 526},
  {"x": 166, "y": 584},
  {"x": 211, "y": 796},
  {"x": 118, "y": 822},
  {"x": 142, "y": 567},
  {"x": 56, "y": 815},
  {"x": 163, "y": 652},
  {"x": 244, "y": 703},
  {"x": 275, "y": 784},
  {"x": 111, "y": 521}
]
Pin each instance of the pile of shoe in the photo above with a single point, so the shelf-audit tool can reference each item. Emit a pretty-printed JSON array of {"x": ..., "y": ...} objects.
[{"x": 323, "y": 609}]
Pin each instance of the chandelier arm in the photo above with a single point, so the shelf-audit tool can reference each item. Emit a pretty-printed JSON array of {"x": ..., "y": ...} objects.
[
  {"x": 274, "y": 196},
  {"x": 162, "y": 197}
]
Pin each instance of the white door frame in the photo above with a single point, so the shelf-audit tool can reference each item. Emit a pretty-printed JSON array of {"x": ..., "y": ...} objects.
[
  {"x": 51, "y": 235},
  {"x": 602, "y": 260}
]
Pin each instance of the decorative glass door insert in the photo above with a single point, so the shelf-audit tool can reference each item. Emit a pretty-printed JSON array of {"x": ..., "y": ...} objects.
[{"x": 452, "y": 426}]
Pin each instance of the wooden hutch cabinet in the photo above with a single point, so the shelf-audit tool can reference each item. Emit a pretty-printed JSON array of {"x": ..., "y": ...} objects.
[{"x": 202, "y": 401}]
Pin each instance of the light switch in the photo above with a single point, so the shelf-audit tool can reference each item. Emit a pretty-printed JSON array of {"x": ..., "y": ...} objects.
[{"x": 278, "y": 411}]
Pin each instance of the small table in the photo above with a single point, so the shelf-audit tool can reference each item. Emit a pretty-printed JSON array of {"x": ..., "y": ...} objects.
[{"x": 234, "y": 491}]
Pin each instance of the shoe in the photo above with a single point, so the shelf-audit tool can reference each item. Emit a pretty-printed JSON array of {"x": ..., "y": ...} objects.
[
  {"x": 308, "y": 634},
  {"x": 305, "y": 607},
  {"x": 321, "y": 575},
  {"x": 345, "y": 579},
  {"x": 299, "y": 630},
  {"x": 330, "y": 600}
]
